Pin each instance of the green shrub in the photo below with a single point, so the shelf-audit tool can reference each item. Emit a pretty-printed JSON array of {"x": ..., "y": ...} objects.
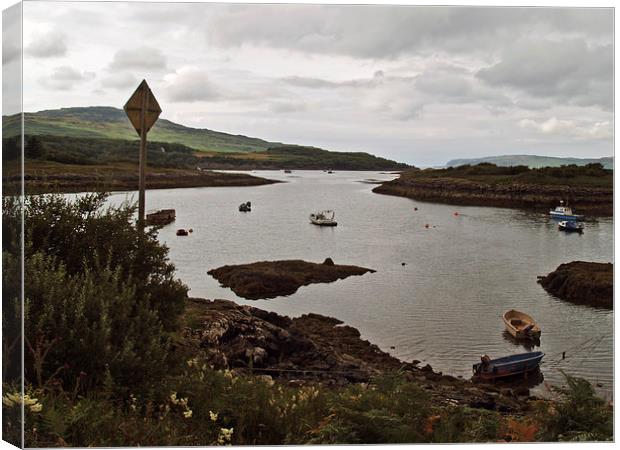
[{"x": 580, "y": 415}]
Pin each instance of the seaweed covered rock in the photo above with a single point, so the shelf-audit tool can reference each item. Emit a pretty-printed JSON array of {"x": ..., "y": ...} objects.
[
  {"x": 582, "y": 282},
  {"x": 269, "y": 279}
]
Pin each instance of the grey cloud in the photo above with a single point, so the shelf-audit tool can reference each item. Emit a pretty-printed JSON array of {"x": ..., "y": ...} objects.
[
  {"x": 49, "y": 45},
  {"x": 65, "y": 78},
  {"x": 390, "y": 31},
  {"x": 568, "y": 71},
  {"x": 287, "y": 106},
  {"x": 120, "y": 80},
  {"x": 191, "y": 85},
  {"x": 139, "y": 58}
]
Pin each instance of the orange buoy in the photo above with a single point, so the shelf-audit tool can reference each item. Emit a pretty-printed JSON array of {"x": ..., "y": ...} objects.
[
  {"x": 415, "y": 209},
  {"x": 191, "y": 230},
  {"x": 456, "y": 213},
  {"x": 426, "y": 226}
]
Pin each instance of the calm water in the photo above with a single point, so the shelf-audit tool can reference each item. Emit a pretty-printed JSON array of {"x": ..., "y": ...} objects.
[{"x": 443, "y": 307}]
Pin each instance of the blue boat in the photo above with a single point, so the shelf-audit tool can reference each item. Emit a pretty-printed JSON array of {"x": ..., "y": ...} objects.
[
  {"x": 569, "y": 225},
  {"x": 489, "y": 369},
  {"x": 564, "y": 213}
]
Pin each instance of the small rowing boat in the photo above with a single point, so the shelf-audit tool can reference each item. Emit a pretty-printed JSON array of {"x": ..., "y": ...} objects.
[
  {"x": 521, "y": 325},
  {"x": 489, "y": 369}
]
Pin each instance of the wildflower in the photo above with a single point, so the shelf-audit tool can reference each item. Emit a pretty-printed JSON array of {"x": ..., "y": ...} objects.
[
  {"x": 225, "y": 436},
  {"x": 173, "y": 398},
  {"x": 15, "y": 398},
  {"x": 213, "y": 416},
  {"x": 192, "y": 362},
  {"x": 187, "y": 413}
]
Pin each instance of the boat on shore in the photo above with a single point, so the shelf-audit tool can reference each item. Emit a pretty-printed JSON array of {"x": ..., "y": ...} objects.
[
  {"x": 570, "y": 225},
  {"x": 324, "y": 218},
  {"x": 564, "y": 212},
  {"x": 490, "y": 369},
  {"x": 521, "y": 325}
]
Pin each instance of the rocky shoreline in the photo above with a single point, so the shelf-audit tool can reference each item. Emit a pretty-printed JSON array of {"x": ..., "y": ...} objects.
[
  {"x": 587, "y": 200},
  {"x": 269, "y": 279},
  {"x": 319, "y": 349},
  {"x": 42, "y": 178},
  {"x": 582, "y": 282}
]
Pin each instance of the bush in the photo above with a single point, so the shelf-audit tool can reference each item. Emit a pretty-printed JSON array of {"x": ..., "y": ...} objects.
[
  {"x": 580, "y": 415},
  {"x": 101, "y": 297}
]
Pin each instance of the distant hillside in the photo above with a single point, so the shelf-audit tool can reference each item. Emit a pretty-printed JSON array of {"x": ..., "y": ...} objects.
[
  {"x": 299, "y": 158},
  {"x": 104, "y": 122},
  {"x": 103, "y": 135},
  {"x": 532, "y": 161}
]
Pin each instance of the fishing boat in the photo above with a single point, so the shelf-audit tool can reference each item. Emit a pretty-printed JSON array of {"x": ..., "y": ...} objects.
[
  {"x": 182, "y": 232},
  {"x": 521, "y": 325},
  {"x": 245, "y": 207},
  {"x": 287, "y": 171},
  {"x": 570, "y": 225},
  {"x": 324, "y": 218},
  {"x": 564, "y": 212},
  {"x": 489, "y": 369}
]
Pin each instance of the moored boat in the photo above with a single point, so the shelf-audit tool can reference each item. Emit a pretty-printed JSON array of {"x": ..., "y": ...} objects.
[
  {"x": 324, "y": 218},
  {"x": 564, "y": 212},
  {"x": 489, "y": 369},
  {"x": 521, "y": 325},
  {"x": 570, "y": 225},
  {"x": 245, "y": 207}
]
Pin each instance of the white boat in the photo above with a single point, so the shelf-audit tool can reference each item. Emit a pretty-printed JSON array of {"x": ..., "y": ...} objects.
[
  {"x": 564, "y": 213},
  {"x": 324, "y": 218}
]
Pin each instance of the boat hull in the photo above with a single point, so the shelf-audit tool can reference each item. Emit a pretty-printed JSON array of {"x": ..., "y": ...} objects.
[
  {"x": 562, "y": 216},
  {"x": 324, "y": 224},
  {"x": 508, "y": 366}
]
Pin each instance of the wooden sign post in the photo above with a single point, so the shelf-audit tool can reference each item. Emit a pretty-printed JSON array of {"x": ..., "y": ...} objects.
[{"x": 143, "y": 111}]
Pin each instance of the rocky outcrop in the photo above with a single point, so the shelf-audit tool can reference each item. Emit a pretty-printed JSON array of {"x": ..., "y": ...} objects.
[
  {"x": 236, "y": 336},
  {"x": 587, "y": 200},
  {"x": 269, "y": 279},
  {"x": 582, "y": 282},
  {"x": 314, "y": 348}
]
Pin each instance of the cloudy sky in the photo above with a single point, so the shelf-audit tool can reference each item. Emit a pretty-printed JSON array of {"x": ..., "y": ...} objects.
[{"x": 417, "y": 84}]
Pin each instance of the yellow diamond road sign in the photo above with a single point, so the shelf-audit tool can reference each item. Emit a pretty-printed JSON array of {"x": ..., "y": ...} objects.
[{"x": 142, "y": 99}]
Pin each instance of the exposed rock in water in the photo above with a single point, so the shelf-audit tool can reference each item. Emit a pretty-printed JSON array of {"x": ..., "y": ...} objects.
[
  {"x": 582, "y": 282},
  {"x": 314, "y": 348},
  {"x": 269, "y": 279}
]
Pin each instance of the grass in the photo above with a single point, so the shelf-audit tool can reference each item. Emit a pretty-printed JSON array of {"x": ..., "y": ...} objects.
[{"x": 111, "y": 123}]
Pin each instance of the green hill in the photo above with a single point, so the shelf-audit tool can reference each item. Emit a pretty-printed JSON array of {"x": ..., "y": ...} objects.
[
  {"x": 103, "y": 135},
  {"x": 102, "y": 122},
  {"x": 532, "y": 161}
]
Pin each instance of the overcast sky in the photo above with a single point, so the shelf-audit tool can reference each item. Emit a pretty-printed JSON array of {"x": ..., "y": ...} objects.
[{"x": 416, "y": 84}]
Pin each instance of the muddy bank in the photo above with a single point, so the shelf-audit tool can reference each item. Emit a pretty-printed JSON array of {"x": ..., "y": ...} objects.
[
  {"x": 269, "y": 279},
  {"x": 44, "y": 177},
  {"x": 582, "y": 282},
  {"x": 314, "y": 348},
  {"x": 585, "y": 200}
]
